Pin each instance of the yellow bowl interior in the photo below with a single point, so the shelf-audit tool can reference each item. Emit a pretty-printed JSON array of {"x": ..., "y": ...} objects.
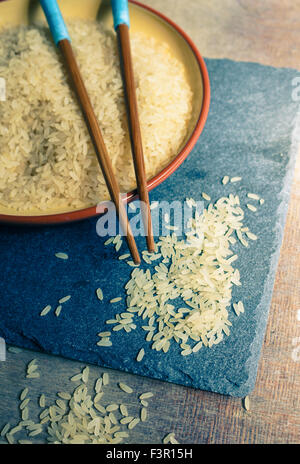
[{"x": 15, "y": 12}]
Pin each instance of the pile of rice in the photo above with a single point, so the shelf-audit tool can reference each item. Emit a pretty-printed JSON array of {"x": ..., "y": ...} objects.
[
  {"x": 47, "y": 159},
  {"x": 185, "y": 294}
]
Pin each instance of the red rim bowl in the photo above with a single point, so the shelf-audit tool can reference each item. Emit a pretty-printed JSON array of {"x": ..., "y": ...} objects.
[{"x": 66, "y": 217}]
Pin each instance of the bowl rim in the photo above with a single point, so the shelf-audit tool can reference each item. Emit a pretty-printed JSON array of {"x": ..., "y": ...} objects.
[{"x": 92, "y": 211}]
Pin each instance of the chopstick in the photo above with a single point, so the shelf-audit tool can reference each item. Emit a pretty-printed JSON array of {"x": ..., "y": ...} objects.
[
  {"x": 62, "y": 40},
  {"x": 121, "y": 24}
]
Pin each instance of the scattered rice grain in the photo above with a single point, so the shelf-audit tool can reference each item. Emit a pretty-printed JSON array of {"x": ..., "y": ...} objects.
[
  {"x": 116, "y": 300},
  {"x": 251, "y": 207},
  {"x": 123, "y": 410},
  {"x": 64, "y": 299},
  {"x": 133, "y": 423},
  {"x": 206, "y": 197},
  {"x": 61, "y": 255},
  {"x": 105, "y": 378},
  {"x": 45, "y": 310},
  {"x": 145, "y": 396},
  {"x": 253, "y": 196},
  {"x": 246, "y": 403},
  {"x": 125, "y": 388},
  {"x": 58, "y": 310},
  {"x": 5, "y": 429},
  {"x": 23, "y": 394},
  {"x": 143, "y": 414},
  {"x": 140, "y": 355}
]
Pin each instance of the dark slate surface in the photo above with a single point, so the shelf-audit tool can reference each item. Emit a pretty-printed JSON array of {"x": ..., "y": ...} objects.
[{"x": 250, "y": 132}]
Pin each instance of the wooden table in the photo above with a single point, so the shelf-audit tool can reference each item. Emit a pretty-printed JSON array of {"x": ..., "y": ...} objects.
[{"x": 250, "y": 30}]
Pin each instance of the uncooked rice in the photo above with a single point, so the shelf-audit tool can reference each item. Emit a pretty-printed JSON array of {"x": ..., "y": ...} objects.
[
  {"x": 76, "y": 378},
  {"x": 15, "y": 429},
  {"x": 42, "y": 401},
  {"x": 73, "y": 418},
  {"x": 116, "y": 300},
  {"x": 112, "y": 407},
  {"x": 251, "y": 235},
  {"x": 170, "y": 438},
  {"x": 31, "y": 367},
  {"x": 64, "y": 299},
  {"x": 134, "y": 422},
  {"x": 5, "y": 429},
  {"x": 144, "y": 414},
  {"x": 104, "y": 342},
  {"x": 33, "y": 375},
  {"x": 104, "y": 334},
  {"x": 205, "y": 196},
  {"x": 246, "y": 403},
  {"x": 24, "y": 403},
  {"x": 105, "y": 378},
  {"x": 125, "y": 387},
  {"x": 98, "y": 385},
  {"x": 23, "y": 394},
  {"x": 146, "y": 395},
  {"x": 47, "y": 158},
  {"x": 123, "y": 410},
  {"x": 126, "y": 420},
  {"x": 198, "y": 269},
  {"x": 173, "y": 440},
  {"x": 140, "y": 355},
  {"x": 25, "y": 414},
  {"x": 251, "y": 207},
  {"x": 85, "y": 374},
  {"x": 45, "y": 311},
  {"x": 253, "y": 196},
  {"x": 59, "y": 255},
  {"x": 58, "y": 310},
  {"x": 99, "y": 293},
  {"x": 9, "y": 439}
]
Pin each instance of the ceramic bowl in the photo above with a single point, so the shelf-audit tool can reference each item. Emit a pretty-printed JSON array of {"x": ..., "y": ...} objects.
[{"x": 142, "y": 19}]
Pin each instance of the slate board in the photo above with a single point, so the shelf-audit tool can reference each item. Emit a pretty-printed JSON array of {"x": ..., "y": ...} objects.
[{"x": 253, "y": 132}]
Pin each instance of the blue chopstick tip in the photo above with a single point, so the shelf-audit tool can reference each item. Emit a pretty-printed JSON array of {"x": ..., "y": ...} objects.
[
  {"x": 120, "y": 12},
  {"x": 55, "y": 20}
]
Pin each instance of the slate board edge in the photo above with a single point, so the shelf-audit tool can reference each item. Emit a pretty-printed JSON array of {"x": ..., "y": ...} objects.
[{"x": 282, "y": 211}]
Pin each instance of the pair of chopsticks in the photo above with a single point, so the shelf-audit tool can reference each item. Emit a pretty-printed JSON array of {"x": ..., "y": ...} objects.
[{"x": 63, "y": 42}]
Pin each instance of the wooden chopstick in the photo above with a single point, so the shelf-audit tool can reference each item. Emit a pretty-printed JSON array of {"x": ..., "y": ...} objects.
[
  {"x": 99, "y": 145},
  {"x": 134, "y": 129},
  {"x": 62, "y": 40}
]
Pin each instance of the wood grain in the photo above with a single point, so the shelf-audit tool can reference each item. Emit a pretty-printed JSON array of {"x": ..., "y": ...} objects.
[{"x": 267, "y": 32}]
